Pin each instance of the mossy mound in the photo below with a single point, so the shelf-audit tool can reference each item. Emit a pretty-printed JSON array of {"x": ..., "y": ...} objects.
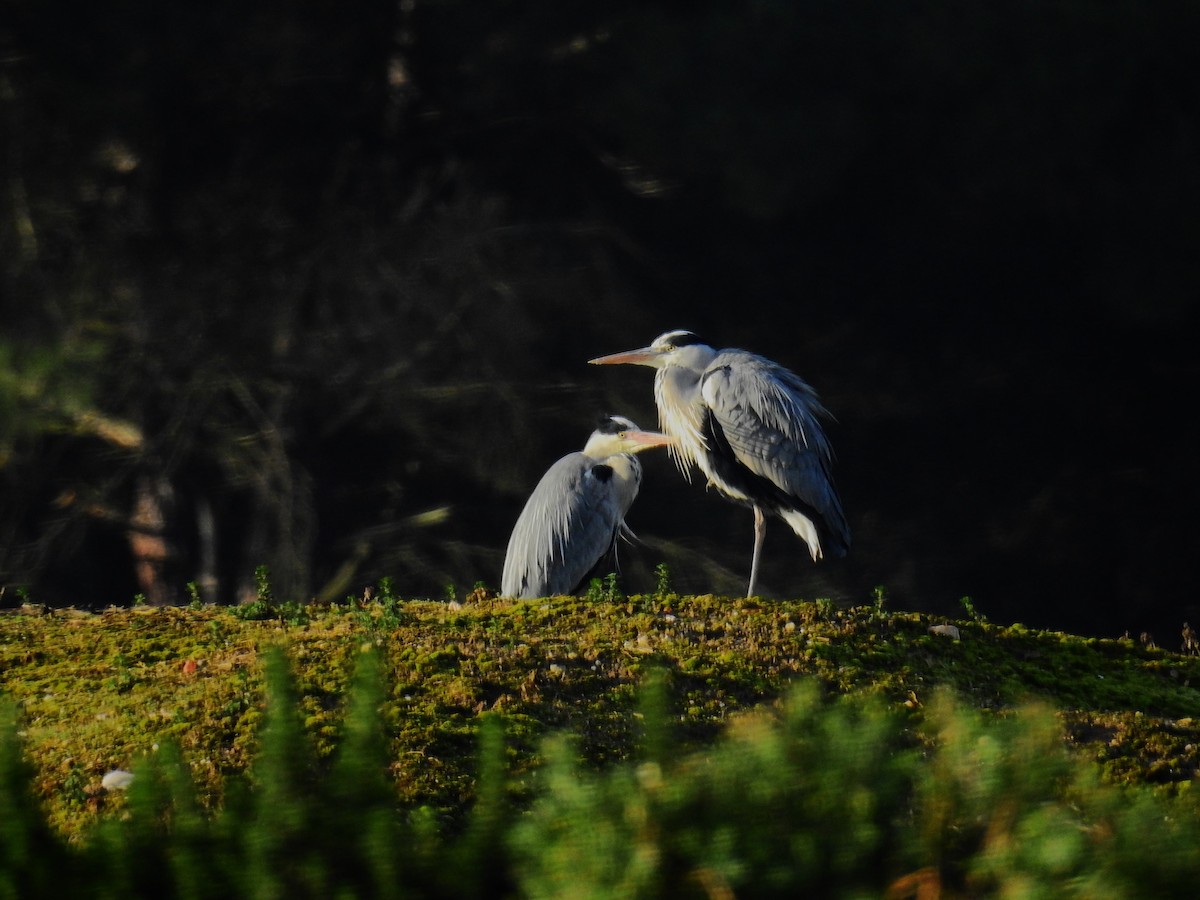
[{"x": 99, "y": 691}]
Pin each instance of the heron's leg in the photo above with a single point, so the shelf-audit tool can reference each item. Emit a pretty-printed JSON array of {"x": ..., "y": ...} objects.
[{"x": 760, "y": 531}]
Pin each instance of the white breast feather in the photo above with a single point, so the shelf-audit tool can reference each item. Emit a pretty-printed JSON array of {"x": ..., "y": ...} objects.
[{"x": 681, "y": 415}]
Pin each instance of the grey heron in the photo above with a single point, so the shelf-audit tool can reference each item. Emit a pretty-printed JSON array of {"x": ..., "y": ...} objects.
[
  {"x": 571, "y": 521},
  {"x": 754, "y": 429}
]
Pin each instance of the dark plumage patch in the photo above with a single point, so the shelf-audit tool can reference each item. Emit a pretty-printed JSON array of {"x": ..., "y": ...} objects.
[
  {"x": 614, "y": 425},
  {"x": 602, "y": 473},
  {"x": 732, "y": 473},
  {"x": 682, "y": 338}
]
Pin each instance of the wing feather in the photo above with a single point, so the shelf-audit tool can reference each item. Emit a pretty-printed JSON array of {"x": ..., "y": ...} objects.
[
  {"x": 567, "y": 526},
  {"x": 771, "y": 420}
]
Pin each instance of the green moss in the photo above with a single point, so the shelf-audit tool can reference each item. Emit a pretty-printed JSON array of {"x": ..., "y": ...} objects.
[{"x": 97, "y": 691}]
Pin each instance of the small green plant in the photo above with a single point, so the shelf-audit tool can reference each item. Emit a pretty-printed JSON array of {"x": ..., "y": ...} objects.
[
  {"x": 139, "y": 600},
  {"x": 263, "y": 605},
  {"x": 662, "y": 581},
  {"x": 381, "y": 609},
  {"x": 262, "y": 585},
  {"x": 74, "y": 785},
  {"x": 451, "y": 592},
  {"x": 611, "y": 589},
  {"x": 972, "y": 612},
  {"x": 194, "y": 599},
  {"x": 604, "y": 590},
  {"x": 386, "y": 592},
  {"x": 880, "y": 601},
  {"x": 254, "y": 611},
  {"x": 294, "y": 613},
  {"x": 216, "y": 632}
]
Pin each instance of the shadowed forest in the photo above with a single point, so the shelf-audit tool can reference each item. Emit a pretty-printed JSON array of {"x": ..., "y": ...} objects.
[{"x": 313, "y": 287}]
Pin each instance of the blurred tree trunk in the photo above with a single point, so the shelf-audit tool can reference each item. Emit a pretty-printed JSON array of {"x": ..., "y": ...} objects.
[
  {"x": 152, "y": 551},
  {"x": 280, "y": 524},
  {"x": 208, "y": 582}
]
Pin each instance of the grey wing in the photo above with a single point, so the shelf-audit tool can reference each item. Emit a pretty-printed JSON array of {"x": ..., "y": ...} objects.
[
  {"x": 771, "y": 420},
  {"x": 568, "y": 524}
]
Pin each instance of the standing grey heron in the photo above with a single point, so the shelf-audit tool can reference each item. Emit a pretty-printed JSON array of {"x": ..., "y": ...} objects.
[
  {"x": 754, "y": 429},
  {"x": 570, "y": 524}
]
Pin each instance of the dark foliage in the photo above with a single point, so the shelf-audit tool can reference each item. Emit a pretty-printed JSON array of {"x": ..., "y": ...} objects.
[{"x": 312, "y": 287}]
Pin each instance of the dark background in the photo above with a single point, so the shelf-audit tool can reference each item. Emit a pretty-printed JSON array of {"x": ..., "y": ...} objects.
[{"x": 312, "y": 286}]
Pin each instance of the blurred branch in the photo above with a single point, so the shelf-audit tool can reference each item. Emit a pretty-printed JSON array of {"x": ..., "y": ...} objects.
[
  {"x": 118, "y": 432},
  {"x": 22, "y": 217}
]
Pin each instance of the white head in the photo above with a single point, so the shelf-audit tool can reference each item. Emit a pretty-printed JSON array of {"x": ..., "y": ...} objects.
[
  {"x": 617, "y": 434},
  {"x": 678, "y": 348}
]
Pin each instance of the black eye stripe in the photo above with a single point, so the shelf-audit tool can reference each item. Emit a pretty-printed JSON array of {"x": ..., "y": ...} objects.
[
  {"x": 614, "y": 425},
  {"x": 672, "y": 340}
]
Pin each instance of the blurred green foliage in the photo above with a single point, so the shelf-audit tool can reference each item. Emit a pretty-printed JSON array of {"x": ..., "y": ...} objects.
[
  {"x": 99, "y": 692},
  {"x": 840, "y": 797}
]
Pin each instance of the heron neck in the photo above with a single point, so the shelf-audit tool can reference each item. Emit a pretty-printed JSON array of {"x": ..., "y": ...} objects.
[
  {"x": 627, "y": 477},
  {"x": 681, "y": 412}
]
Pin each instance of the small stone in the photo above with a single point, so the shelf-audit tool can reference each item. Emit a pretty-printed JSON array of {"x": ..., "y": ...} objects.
[
  {"x": 950, "y": 631},
  {"x": 116, "y": 780}
]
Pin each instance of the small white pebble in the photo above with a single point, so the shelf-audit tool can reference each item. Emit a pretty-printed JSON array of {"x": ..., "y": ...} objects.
[
  {"x": 116, "y": 780},
  {"x": 789, "y": 626},
  {"x": 950, "y": 631}
]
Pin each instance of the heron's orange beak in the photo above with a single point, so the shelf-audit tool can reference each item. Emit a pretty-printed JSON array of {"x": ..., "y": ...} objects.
[
  {"x": 647, "y": 439},
  {"x": 646, "y": 356}
]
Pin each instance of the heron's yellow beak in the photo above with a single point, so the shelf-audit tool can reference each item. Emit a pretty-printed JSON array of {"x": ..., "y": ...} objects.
[{"x": 646, "y": 356}]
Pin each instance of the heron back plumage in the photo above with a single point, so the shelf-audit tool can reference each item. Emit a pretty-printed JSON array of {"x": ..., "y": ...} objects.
[{"x": 569, "y": 524}]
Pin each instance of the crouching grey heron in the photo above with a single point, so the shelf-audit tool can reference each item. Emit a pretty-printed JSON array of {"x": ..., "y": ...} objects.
[
  {"x": 570, "y": 524},
  {"x": 754, "y": 429}
]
